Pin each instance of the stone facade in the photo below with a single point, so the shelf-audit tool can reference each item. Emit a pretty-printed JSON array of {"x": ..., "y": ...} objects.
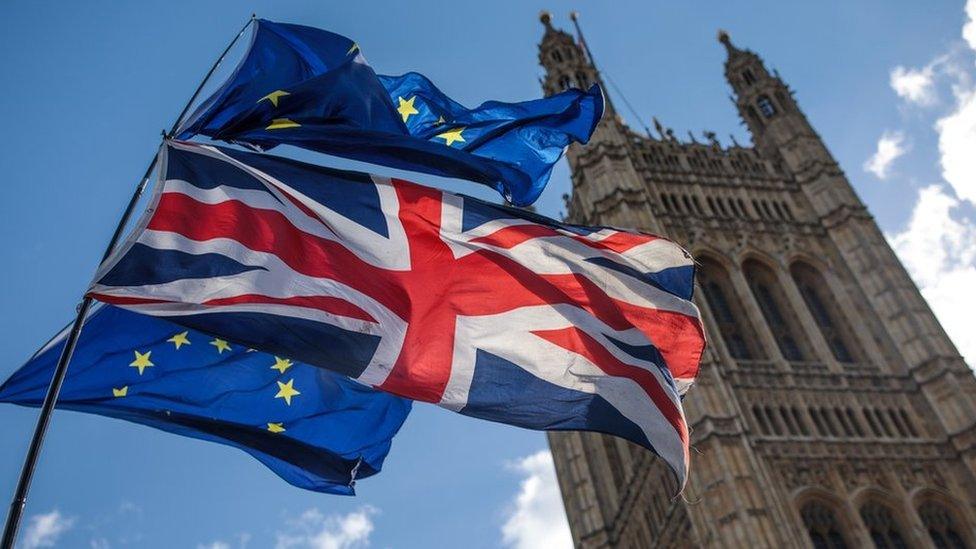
[{"x": 831, "y": 410}]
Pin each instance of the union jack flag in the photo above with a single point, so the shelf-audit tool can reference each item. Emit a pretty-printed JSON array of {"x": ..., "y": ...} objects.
[{"x": 490, "y": 311}]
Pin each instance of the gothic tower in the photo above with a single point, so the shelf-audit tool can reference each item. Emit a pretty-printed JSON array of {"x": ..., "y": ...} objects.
[{"x": 831, "y": 409}]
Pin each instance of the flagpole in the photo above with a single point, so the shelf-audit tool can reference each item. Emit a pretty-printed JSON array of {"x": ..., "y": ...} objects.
[{"x": 19, "y": 502}]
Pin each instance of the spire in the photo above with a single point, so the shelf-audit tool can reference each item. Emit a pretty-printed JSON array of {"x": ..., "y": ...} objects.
[
  {"x": 726, "y": 41},
  {"x": 546, "y": 19}
]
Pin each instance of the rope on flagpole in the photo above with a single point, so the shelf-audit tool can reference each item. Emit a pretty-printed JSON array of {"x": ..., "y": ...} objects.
[{"x": 19, "y": 502}]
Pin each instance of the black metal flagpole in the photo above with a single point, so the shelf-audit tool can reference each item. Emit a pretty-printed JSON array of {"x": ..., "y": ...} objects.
[{"x": 50, "y": 399}]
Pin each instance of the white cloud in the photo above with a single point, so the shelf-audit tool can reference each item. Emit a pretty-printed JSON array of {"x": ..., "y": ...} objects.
[
  {"x": 938, "y": 244},
  {"x": 536, "y": 517},
  {"x": 891, "y": 145},
  {"x": 313, "y": 530},
  {"x": 957, "y": 143},
  {"x": 214, "y": 545},
  {"x": 44, "y": 530},
  {"x": 969, "y": 29},
  {"x": 939, "y": 250},
  {"x": 914, "y": 85},
  {"x": 242, "y": 540}
]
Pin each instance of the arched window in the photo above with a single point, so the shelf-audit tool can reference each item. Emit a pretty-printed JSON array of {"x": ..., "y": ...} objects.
[
  {"x": 765, "y": 106},
  {"x": 760, "y": 419},
  {"x": 775, "y": 421},
  {"x": 556, "y": 56},
  {"x": 842, "y": 421},
  {"x": 941, "y": 527},
  {"x": 908, "y": 423},
  {"x": 677, "y": 204},
  {"x": 832, "y": 427},
  {"x": 781, "y": 321},
  {"x": 582, "y": 80},
  {"x": 854, "y": 423},
  {"x": 800, "y": 422},
  {"x": 787, "y": 421},
  {"x": 888, "y": 430},
  {"x": 871, "y": 422},
  {"x": 565, "y": 83},
  {"x": 824, "y": 310},
  {"x": 727, "y": 311},
  {"x": 822, "y": 526},
  {"x": 748, "y": 78},
  {"x": 789, "y": 212},
  {"x": 884, "y": 530},
  {"x": 733, "y": 209},
  {"x": 664, "y": 202},
  {"x": 819, "y": 422},
  {"x": 722, "y": 206},
  {"x": 742, "y": 208},
  {"x": 896, "y": 421},
  {"x": 778, "y": 210}
]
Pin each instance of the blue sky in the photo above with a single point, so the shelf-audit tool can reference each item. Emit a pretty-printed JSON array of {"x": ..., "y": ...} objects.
[{"x": 88, "y": 87}]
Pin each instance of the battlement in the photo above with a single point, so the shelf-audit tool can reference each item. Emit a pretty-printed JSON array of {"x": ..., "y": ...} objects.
[{"x": 668, "y": 155}]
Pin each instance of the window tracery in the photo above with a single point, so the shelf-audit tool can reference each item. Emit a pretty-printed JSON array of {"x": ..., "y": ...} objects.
[
  {"x": 884, "y": 530},
  {"x": 940, "y": 526},
  {"x": 822, "y": 526},
  {"x": 771, "y": 302}
]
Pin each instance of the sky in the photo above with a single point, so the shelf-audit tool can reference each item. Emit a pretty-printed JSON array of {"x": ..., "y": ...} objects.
[{"x": 87, "y": 88}]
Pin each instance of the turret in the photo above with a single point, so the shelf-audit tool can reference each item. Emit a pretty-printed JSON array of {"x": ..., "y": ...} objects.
[
  {"x": 781, "y": 132},
  {"x": 566, "y": 61},
  {"x": 603, "y": 172},
  {"x": 764, "y": 101}
]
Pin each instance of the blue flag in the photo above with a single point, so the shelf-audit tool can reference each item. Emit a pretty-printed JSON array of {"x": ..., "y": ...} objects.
[
  {"x": 314, "y": 428},
  {"x": 311, "y": 88}
]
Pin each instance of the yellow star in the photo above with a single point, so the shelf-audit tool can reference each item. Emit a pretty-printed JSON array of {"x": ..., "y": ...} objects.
[
  {"x": 281, "y": 364},
  {"x": 274, "y": 97},
  {"x": 450, "y": 136},
  {"x": 286, "y": 391},
  {"x": 179, "y": 339},
  {"x": 276, "y": 427},
  {"x": 406, "y": 108},
  {"x": 221, "y": 345},
  {"x": 120, "y": 392},
  {"x": 142, "y": 361},
  {"x": 282, "y": 123},
  {"x": 353, "y": 48}
]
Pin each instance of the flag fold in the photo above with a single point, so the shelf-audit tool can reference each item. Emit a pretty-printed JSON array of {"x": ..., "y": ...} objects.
[
  {"x": 311, "y": 88},
  {"x": 487, "y": 310},
  {"x": 316, "y": 429}
]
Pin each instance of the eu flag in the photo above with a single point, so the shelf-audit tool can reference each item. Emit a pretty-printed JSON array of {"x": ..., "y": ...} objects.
[
  {"x": 314, "y": 428},
  {"x": 311, "y": 88}
]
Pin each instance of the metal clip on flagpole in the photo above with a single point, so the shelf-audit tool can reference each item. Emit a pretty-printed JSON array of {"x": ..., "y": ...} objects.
[{"x": 50, "y": 399}]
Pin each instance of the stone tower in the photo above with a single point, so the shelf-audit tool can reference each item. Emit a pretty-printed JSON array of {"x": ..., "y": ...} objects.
[{"x": 831, "y": 409}]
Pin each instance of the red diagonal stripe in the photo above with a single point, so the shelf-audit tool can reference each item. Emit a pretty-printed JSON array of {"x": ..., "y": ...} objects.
[
  {"x": 271, "y": 232},
  {"x": 618, "y": 242},
  {"x": 327, "y": 304},
  {"x": 578, "y": 341},
  {"x": 511, "y": 236}
]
